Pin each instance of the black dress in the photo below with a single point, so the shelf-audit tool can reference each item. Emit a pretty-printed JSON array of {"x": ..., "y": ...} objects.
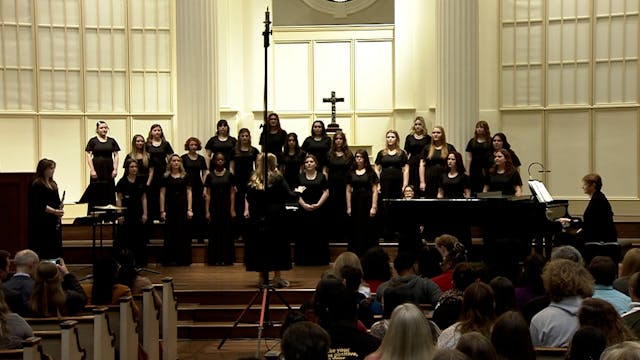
[
  {"x": 453, "y": 187},
  {"x": 362, "y": 235},
  {"x": 45, "y": 232},
  {"x": 318, "y": 148},
  {"x": 194, "y": 168},
  {"x": 391, "y": 177},
  {"x": 479, "y": 167},
  {"x": 244, "y": 163},
  {"x": 598, "y": 222},
  {"x": 266, "y": 247},
  {"x": 505, "y": 182},
  {"x": 143, "y": 171},
  {"x": 157, "y": 160},
  {"x": 177, "y": 245},
  {"x": 434, "y": 167},
  {"x": 338, "y": 167},
  {"x": 132, "y": 234},
  {"x": 414, "y": 148},
  {"x": 102, "y": 158},
  {"x": 221, "y": 247},
  {"x": 291, "y": 165},
  {"x": 313, "y": 248},
  {"x": 227, "y": 147},
  {"x": 274, "y": 142}
]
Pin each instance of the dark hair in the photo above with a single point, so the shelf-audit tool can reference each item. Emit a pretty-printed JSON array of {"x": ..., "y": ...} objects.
[
  {"x": 603, "y": 270},
  {"x": 464, "y": 274},
  {"x": 4, "y": 259},
  {"x": 503, "y": 137},
  {"x": 476, "y": 346},
  {"x": 531, "y": 275},
  {"x": 511, "y": 338},
  {"x": 352, "y": 277},
  {"x": 395, "y": 296},
  {"x": 40, "y": 177},
  {"x": 459, "y": 163},
  {"x": 324, "y": 130},
  {"x": 587, "y": 343},
  {"x": 297, "y": 145},
  {"x": 128, "y": 162},
  {"x": 593, "y": 179},
  {"x": 375, "y": 264},
  {"x": 505, "y": 294},
  {"x": 508, "y": 163},
  {"x": 305, "y": 341},
  {"x": 477, "y": 309},
  {"x": 222, "y": 122},
  {"x": 194, "y": 139},
  {"x": 449, "y": 354},
  {"x": 404, "y": 261},
  {"x": 601, "y": 314},
  {"x": 104, "y": 278},
  {"x": 127, "y": 272},
  {"x": 332, "y": 302}
]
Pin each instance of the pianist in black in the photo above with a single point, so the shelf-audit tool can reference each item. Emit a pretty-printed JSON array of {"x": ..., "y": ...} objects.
[{"x": 503, "y": 175}]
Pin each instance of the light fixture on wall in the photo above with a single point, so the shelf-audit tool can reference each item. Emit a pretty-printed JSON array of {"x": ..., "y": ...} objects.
[{"x": 339, "y": 8}]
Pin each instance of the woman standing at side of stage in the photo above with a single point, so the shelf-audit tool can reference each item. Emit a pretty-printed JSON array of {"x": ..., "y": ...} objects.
[
  {"x": 478, "y": 151},
  {"x": 499, "y": 141},
  {"x": 196, "y": 167},
  {"x": 273, "y": 137},
  {"x": 503, "y": 176},
  {"x": 414, "y": 144},
  {"x": 318, "y": 144},
  {"x": 312, "y": 249},
  {"x": 434, "y": 161},
  {"x": 131, "y": 194},
  {"x": 339, "y": 163},
  {"x": 159, "y": 150},
  {"x": 454, "y": 183},
  {"x": 221, "y": 142},
  {"x": 175, "y": 210},
  {"x": 45, "y": 211},
  {"x": 362, "y": 203},
  {"x": 102, "y": 158},
  {"x": 266, "y": 249},
  {"x": 220, "y": 211},
  {"x": 242, "y": 163},
  {"x": 139, "y": 153}
]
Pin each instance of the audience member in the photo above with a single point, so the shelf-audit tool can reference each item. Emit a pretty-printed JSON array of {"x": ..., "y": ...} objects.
[
  {"x": 604, "y": 271},
  {"x": 376, "y": 267},
  {"x": 567, "y": 252},
  {"x": 424, "y": 290},
  {"x": 511, "y": 339},
  {"x": 129, "y": 276},
  {"x": 451, "y": 256},
  {"x": 13, "y": 328},
  {"x": 628, "y": 350},
  {"x": 5, "y": 261},
  {"x": 449, "y": 306},
  {"x": 56, "y": 291},
  {"x": 630, "y": 265},
  {"x": 450, "y": 354},
  {"x": 601, "y": 314},
  {"x": 504, "y": 293},
  {"x": 105, "y": 289},
  {"x": 529, "y": 284},
  {"x": 20, "y": 286},
  {"x": 587, "y": 343},
  {"x": 305, "y": 340},
  {"x": 477, "y": 315},
  {"x": 567, "y": 283},
  {"x": 476, "y": 346},
  {"x": 408, "y": 336},
  {"x": 632, "y": 317}
]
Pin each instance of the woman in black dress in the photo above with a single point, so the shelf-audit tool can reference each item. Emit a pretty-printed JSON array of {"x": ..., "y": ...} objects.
[
  {"x": 362, "y": 203},
  {"x": 273, "y": 137},
  {"x": 478, "y": 152},
  {"x": 131, "y": 194},
  {"x": 45, "y": 211},
  {"x": 102, "y": 158},
  {"x": 220, "y": 205},
  {"x": 221, "y": 142},
  {"x": 503, "y": 176},
  {"x": 318, "y": 144},
  {"x": 433, "y": 162},
  {"x": 499, "y": 141},
  {"x": 415, "y": 142},
  {"x": 312, "y": 249},
  {"x": 175, "y": 210},
  {"x": 242, "y": 163},
  {"x": 196, "y": 167},
  {"x": 291, "y": 161},
  {"x": 392, "y": 167},
  {"x": 139, "y": 153},
  {"x": 159, "y": 150},
  {"x": 339, "y": 163},
  {"x": 597, "y": 224},
  {"x": 266, "y": 249},
  {"x": 454, "y": 183}
]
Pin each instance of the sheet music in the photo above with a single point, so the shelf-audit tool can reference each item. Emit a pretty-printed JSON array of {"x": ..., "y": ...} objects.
[{"x": 540, "y": 191}]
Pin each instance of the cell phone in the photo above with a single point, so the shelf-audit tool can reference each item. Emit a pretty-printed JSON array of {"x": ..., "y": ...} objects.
[{"x": 54, "y": 261}]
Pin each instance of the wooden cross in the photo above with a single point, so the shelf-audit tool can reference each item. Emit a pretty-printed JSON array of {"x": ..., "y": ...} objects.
[{"x": 333, "y": 100}]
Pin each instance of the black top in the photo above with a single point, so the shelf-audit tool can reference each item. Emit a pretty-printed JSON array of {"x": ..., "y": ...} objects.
[
  {"x": 313, "y": 188},
  {"x": 226, "y": 147},
  {"x": 414, "y": 146},
  {"x": 220, "y": 192},
  {"x": 453, "y": 187},
  {"x": 292, "y": 165},
  {"x": 338, "y": 169},
  {"x": 101, "y": 149},
  {"x": 361, "y": 183},
  {"x": 194, "y": 168},
  {"x": 598, "y": 222},
  {"x": 243, "y": 165},
  {"x": 275, "y": 142},
  {"x": 158, "y": 155},
  {"x": 505, "y": 182},
  {"x": 176, "y": 195},
  {"x": 132, "y": 196},
  {"x": 143, "y": 171},
  {"x": 318, "y": 148}
]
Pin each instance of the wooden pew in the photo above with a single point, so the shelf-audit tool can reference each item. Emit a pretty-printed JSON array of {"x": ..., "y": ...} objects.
[
  {"x": 62, "y": 344},
  {"x": 31, "y": 350},
  {"x": 122, "y": 321},
  {"x": 93, "y": 331},
  {"x": 150, "y": 324},
  {"x": 549, "y": 353},
  {"x": 169, "y": 321}
]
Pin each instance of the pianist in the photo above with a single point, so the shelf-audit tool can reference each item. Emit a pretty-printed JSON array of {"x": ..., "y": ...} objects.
[{"x": 503, "y": 175}]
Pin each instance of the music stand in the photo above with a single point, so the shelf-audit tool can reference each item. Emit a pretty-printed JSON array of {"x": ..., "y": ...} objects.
[{"x": 99, "y": 215}]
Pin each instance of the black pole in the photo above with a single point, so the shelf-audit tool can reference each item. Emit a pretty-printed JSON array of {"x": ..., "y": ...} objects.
[{"x": 265, "y": 129}]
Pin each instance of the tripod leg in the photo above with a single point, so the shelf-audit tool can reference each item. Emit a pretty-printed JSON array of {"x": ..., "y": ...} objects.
[
  {"x": 285, "y": 302},
  {"x": 264, "y": 312},
  {"x": 235, "y": 324}
]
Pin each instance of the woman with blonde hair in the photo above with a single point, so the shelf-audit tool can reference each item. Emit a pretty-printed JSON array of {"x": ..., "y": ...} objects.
[
  {"x": 630, "y": 265},
  {"x": 433, "y": 162},
  {"x": 159, "y": 150},
  {"x": 175, "y": 210},
  {"x": 414, "y": 143},
  {"x": 141, "y": 156},
  {"x": 56, "y": 291},
  {"x": 408, "y": 337},
  {"x": 392, "y": 167},
  {"x": 266, "y": 248},
  {"x": 45, "y": 211}
]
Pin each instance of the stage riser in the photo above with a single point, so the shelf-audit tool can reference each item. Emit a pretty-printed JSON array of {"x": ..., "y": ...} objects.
[
  {"x": 231, "y": 313},
  {"x": 243, "y": 331}
]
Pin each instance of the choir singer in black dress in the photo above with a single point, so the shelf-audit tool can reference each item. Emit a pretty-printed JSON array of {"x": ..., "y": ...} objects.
[
  {"x": 175, "y": 210},
  {"x": 362, "y": 203},
  {"x": 102, "y": 158},
  {"x": 131, "y": 194},
  {"x": 503, "y": 175},
  {"x": 45, "y": 211}
]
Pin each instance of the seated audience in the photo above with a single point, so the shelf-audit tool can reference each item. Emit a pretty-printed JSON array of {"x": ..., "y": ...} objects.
[
  {"x": 424, "y": 290},
  {"x": 628, "y": 350},
  {"x": 604, "y": 272},
  {"x": 477, "y": 315},
  {"x": 504, "y": 293},
  {"x": 587, "y": 343},
  {"x": 476, "y": 346},
  {"x": 632, "y": 317},
  {"x": 630, "y": 265},
  {"x": 601, "y": 314},
  {"x": 567, "y": 283},
  {"x": 376, "y": 267},
  {"x": 451, "y": 257},
  {"x": 5, "y": 261},
  {"x": 56, "y": 291},
  {"x": 529, "y": 285},
  {"x": 19, "y": 287},
  {"x": 447, "y": 310},
  {"x": 104, "y": 290},
  {"x": 13, "y": 328},
  {"x": 510, "y": 337},
  {"x": 305, "y": 340},
  {"x": 129, "y": 276},
  {"x": 567, "y": 252},
  {"x": 408, "y": 336}
]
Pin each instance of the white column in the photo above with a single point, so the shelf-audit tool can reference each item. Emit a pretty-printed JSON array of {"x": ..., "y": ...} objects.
[
  {"x": 197, "y": 64},
  {"x": 457, "y": 104}
]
